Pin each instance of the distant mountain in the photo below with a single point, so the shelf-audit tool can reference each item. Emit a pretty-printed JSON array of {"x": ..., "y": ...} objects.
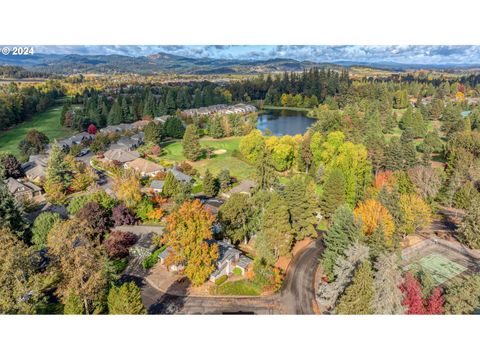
[{"x": 169, "y": 63}]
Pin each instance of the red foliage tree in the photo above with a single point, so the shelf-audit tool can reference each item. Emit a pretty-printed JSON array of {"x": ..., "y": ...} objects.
[
  {"x": 121, "y": 215},
  {"x": 118, "y": 243},
  {"x": 435, "y": 302},
  {"x": 92, "y": 129},
  {"x": 413, "y": 295},
  {"x": 96, "y": 217}
]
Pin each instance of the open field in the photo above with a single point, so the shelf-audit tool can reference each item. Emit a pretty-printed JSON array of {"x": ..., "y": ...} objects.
[
  {"x": 272, "y": 107},
  {"x": 217, "y": 162},
  {"x": 47, "y": 122}
]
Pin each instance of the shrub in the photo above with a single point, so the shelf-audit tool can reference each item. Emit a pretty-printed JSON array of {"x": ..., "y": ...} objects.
[
  {"x": 119, "y": 265},
  {"x": 152, "y": 259},
  {"x": 221, "y": 280},
  {"x": 237, "y": 271}
]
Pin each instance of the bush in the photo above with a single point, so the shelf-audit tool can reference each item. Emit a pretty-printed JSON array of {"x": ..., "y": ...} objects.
[
  {"x": 152, "y": 259},
  {"x": 237, "y": 271},
  {"x": 119, "y": 265},
  {"x": 221, "y": 280}
]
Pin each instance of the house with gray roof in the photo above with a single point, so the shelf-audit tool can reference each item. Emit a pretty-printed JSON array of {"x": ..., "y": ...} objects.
[
  {"x": 180, "y": 176},
  {"x": 121, "y": 156},
  {"x": 156, "y": 186},
  {"x": 229, "y": 258},
  {"x": 245, "y": 187},
  {"x": 22, "y": 190},
  {"x": 35, "y": 168}
]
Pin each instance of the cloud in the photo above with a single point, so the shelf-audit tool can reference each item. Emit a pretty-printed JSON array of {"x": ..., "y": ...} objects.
[{"x": 407, "y": 54}]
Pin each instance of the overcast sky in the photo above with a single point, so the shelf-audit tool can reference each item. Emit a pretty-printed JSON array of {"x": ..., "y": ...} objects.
[{"x": 411, "y": 54}]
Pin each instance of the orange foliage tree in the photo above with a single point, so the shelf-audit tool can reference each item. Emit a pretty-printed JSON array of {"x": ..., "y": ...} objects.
[
  {"x": 373, "y": 214},
  {"x": 186, "y": 233}
]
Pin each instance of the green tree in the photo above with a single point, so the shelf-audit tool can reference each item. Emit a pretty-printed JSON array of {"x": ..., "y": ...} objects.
[
  {"x": 11, "y": 214},
  {"x": 265, "y": 174},
  {"x": 191, "y": 143},
  {"x": 174, "y": 128},
  {"x": 333, "y": 193},
  {"x": 469, "y": 230},
  {"x": 302, "y": 203},
  {"x": 235, "y": 216},
  {"x": 153, "y": 133},
  {"x": 252, "y": 145},
  {"x": 215, "y": 128},
  {"x": 224, "y": 179},
  {"x": 58, "y": 170},
  {"x": 358, "y": 297},
  {"x": 343, "y": 233},
  {"x": 463, "y": 297},
  {"x": 125, "y": 300},
  {"x": 42, "y": 226},
  {"x": 171, "y": 186},
  {"x": 388, "y": 297},
  {"x": 210, "y": 184},
  {"x": 115, "y": 116}
]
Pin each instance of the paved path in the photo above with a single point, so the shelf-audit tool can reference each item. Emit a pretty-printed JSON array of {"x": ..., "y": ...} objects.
[{"x": 296, "y": 296}]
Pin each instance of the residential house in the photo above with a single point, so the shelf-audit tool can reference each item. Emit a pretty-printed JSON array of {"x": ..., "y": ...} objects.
[
  {"x": 22, "y": 190},
  {"x": 180, "y": 176},
  {"x": 245, "y": 187},
  {"x": 140, "y": 125},
  {"x": 129, "y": 143},
  {"x": 163, "y": 257},
  {"x": 229, "y": 258},
  {"x": 144, "y": 167},
  {"x": 120, "y": 156},
  {"x": 156, "y": 186},
  {"x": 35, "y": 168}
]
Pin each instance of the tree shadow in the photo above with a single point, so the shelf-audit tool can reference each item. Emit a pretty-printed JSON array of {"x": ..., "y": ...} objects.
[{"x": 169, "y": 304}]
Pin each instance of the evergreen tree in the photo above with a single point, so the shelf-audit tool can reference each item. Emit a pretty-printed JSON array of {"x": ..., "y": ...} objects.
[
  {"x": 302, "y": 203},
  {"x": 343, "y": 233},
  {"x": 11, "y": 215},
  {"x": 174, "y": 128},
  {"x": 170, "y": 104},
  {"x": 394, "y": 155},
  {"x": 171, "y": 186},
  {"x": 191, "y": 143},
  {"x": 115, "y": 116},
  {"x": 463, "y": 297},
  {"x": 42, "y": 226},
  {"x": 265, "y": 174},
  {"x": 388, "y": 278},
  {"x": 469, "y": 230},
  {"x": 149, "y": 106},
  {"x": 153, "y": 133},
  {"x": 215, "y": 128},
  {"x": 210, "y": 184},
  {"x": 333, "y": 193},
  {"x": 224, "y": 179},
  {"x": 358, "y": 297},
  {"x": 125, "y": 300},
  {"x": 58, "y": 170}
]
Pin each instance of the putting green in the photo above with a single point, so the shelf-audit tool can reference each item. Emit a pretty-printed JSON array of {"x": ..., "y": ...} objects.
[{"x": 441, "y": 268}]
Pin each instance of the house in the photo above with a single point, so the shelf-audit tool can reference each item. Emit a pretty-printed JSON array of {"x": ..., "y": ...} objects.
[
  {"x": 22, "y": 190},
  {"x": 144, "y": 167},
  {"x": 213, "y": 205},
  {"x": 180, "y": 176},
  {"x": 121, "y": 156},
  {"x": 245, "y": 187},
  {"x": 156, "y": 186},
  {"x": 140, "y": 125},
  {"x": 161, "y": 119},
  {"x": 129, "y": 143},
  {"x": 35, "y": 168},
  {"x": 229, "y": 258},
  {"x": 139, "y": 137}
]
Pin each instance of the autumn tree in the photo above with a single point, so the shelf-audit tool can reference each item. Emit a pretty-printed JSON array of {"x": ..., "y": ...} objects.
[
  {"x": 234, "y": 216},
  {"x": 11, "y": 166},
  {"x": 358, "y": 297},
  {"x": 20, "y": 286},
  {"x": 186, "y": 233},
  {"x": 191, "y": 143},
  {"x": 95, "y": 217},
  {"x": 252, "y": 145},
  {"x": 342, "y": 233},
  {"x": 118, "y": 243},
  {"x": 388, "y": 297},
  {"x": 426, "y": 179},
  {"x": 302, "y": 203},
  {"x": 171, "y": 186},
  {"x": 373, "y": 214},
  {"x": 80, "y": 264},
  {"x": 127, "y": 188},
  {"x": 435, "y": 303},
  {"x": 416, "y": 214},
  {"x": 121, "y": 215},
  {"x": 125, "y": 300},
  {"x": 413, "y": 300}
]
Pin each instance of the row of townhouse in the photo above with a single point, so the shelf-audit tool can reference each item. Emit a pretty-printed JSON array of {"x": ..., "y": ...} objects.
[{"x": 221, "y": 109}]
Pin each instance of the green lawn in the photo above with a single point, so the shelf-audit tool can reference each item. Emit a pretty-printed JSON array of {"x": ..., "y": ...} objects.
[
  {"x": 240, "y": 287},
  {"x": 47, "y": 122},
  {"x": 237, "y": 167},
  {"x": 272, "y": 107}
]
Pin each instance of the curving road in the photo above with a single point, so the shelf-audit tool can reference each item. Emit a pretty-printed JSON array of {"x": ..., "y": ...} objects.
[{"x": 297, "y": 295}]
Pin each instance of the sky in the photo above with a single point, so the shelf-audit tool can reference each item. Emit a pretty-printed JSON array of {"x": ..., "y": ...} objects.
[{"x": 405, "y": 54}]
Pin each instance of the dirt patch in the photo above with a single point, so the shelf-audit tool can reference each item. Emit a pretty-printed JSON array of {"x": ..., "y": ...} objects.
[
  {"x": 219, "y": 151},
  {"x": 284, "y": 261},
  {"x": 411, "y": 240}
]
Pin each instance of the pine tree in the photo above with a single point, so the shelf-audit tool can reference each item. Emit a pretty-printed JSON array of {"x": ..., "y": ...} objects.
[
  {"x": 115, "y": 115},
  {"x": 171, "y": 186},
  {"x": 210, "y": 186},
  {"x": 463, "y": 297},
  {"x": 215, "y": 128},
  {"x": 224, "y": 179},
  {"x": 153, "y": 133},
  {"x": 11, "y": 216},
  {"x": 333, "y": 193},
  {"x": 302, "y": 203},
  {"x": 343, "y": 233},
  {"x": 469, "y": 230},
  {"x": 126, "y": 300},
  {"x": 265, "y": 174},
  {"x": 388, "y": 278},
  {"x": 191, "y": 143},
  {"x": 358, "y": 297},
  {"x": 58, "y": 170}
]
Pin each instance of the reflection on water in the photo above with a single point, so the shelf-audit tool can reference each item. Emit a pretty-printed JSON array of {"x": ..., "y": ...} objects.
[{"x": 284, "y": 122}]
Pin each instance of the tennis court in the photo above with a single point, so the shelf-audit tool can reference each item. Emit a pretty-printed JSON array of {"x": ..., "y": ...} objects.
[{"x": 441, "y": 268}]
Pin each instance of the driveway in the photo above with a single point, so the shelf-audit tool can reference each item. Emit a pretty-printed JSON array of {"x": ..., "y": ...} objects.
[{"x": 297, "y": 295}]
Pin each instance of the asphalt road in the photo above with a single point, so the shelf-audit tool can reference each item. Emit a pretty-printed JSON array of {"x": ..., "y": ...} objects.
[{"x": 296, "y": 296}]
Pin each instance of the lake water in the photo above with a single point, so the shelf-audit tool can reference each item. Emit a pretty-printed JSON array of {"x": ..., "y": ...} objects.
[{"x": 284, "y": 122}]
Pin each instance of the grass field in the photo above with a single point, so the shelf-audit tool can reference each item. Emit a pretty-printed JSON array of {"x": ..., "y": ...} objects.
[
  {"x": 441, "y": 268},
  {"x": 271, "y": 107},
  {"x": 239, "y": 287},
  {"x": 216, "y": 163},
  {"x": 47, "y": 122}
]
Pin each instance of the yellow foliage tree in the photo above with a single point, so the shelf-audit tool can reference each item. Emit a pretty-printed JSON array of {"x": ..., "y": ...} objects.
[
  {"x": 127, "y": 188},
  {"x": 373, "y": 214},
  {"x": 416, "y": 213}
]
